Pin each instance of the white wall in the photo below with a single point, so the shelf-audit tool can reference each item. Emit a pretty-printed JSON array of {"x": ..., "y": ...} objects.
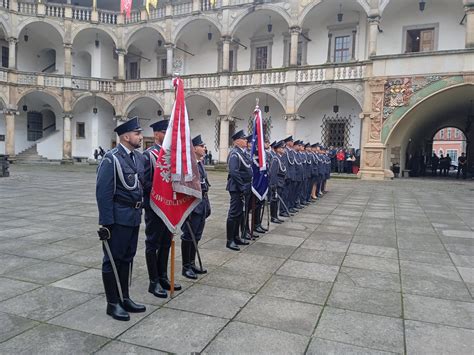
[
  {"x": 21, "y": 136},
  {"x": 446, "y": 14},
  {"x": 315, "y": 107},
  {"x": 30, "y": 55},
  {"x": 82, "y": 64},
  {"x": 51, "y": 147}
]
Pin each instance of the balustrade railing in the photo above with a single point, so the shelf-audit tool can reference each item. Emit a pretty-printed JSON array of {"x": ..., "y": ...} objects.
[
  {"x": 108, "y": 17},
  {"x": 26, "y": 79},
  {"x": 81, "y": 84},
  {"x": 240, "y": 2},
  {"x": 350, "y": 72},
  {"x": 207, "y": 5},
  {"x": 241, "y": 79},
  {"x": 103, "y": 85},
  {"x": 131, "y": 86},
  {"x": 155, "y": 85},
  {"x": 54, "y": 10},
  {"x": 27, "y": 8},
  {"x": 134, "y": 17},
  {"x": 182, "y": 8},
  {"x": 81, "y": 13},
  {"x": 5, "y": 4},
  {"x": 3, "y": 75},
  {"x": 54, "y": 81},
  {"x": 311, "y": 74},
  {"x": 157, "y": 13}
]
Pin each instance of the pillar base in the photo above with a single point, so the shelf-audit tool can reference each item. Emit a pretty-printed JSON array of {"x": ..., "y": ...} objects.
[
  {"x": 12, "y": 159},
  {"x": 67, "y": 161}
]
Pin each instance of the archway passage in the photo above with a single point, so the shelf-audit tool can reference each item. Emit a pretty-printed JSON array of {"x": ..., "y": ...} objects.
[
  {"x": 448, "y": 149},
  {"x": 410, "y": 141}
]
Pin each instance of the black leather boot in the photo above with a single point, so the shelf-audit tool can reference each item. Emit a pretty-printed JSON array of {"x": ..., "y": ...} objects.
[
  {"x": 128, "y": 304},
  {"x": 186, "y": 256},
  {"x": 273, "y": 213},
  {"x": 230, "y": 232},
  {"x": 195, "y": 268},
  {"x": 152, "y": 266},
  {"x": 114, "y": 308},
  {"x": 163, "y": 256}
]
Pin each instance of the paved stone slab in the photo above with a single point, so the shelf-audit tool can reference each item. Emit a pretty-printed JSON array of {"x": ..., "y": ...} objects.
[
  {"x": 425, "y": 257},
  {"x": 462, "y": 260},
  {"x": 118, "y": 347},
  {"x": 241, "y": 338},
  {"x": 253, "y": 263},
  {"x": 49, "y": 339},
  {"x": 275, "y": 250},
  {"x": 174, "y": 331},
  {"x": 12, "y": 325},
  {"x": 383, "y": 252},
  {"x": 425, "y": 270},
  {"x": 378, "y": 280},
  {"x": 426, "y": 338},
  {"x": 90, "y": 317},
  {"x": 43, "y": 252},
  {"x": 326, "y": 245},
  {"x": 312, "y": 271},
  {"x": 10, "y": 288},
  {"x": 90, "y": 257},
  {"x": 371, "y": 263},
  {"x": 433, "y": 286},
  {"x": 44, "y": 303},
  {"x": 278, "y": 313},
  {"x": 435, "y": 310},
  {"x": 320, "y": 346},
  {"x": 243, "y": 281},
  {"x": 10, "y": 263},
  {"x": 89, "y": 281},
  {"x": 210, "y": 300},
  {"x": 281, "y": 240},
  {"x": 46, "y": 272},
  {"x": 361, "y": 329},
  {"x": 467, "y": 274},
  {"x": 318, "y": 256},
  {"x": 304, "y": 290},
  {"x": 385, "y": 303}
]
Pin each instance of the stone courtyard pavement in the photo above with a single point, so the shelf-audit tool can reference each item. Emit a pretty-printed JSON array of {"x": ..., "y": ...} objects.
[{"x": 373, "y": 267}]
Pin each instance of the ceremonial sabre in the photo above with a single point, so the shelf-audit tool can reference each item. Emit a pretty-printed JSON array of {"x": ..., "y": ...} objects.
[
  {"x": 193, "y": 237},
  {"x": 286, "y": 208},
  {"x": 104, "y": 235}
]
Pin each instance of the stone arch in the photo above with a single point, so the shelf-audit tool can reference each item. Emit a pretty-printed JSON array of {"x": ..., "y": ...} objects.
[
  {"x": 394, "y": 121},
  {"x": 128, "y": 39},
  {"x": 359, "y": 97},
  {"x": 131, "y": 100},
  {"x": 263, "y": 90},
  {"x": 29, "y": 21},
  {"x": 6, "y": 29},
  {"x": 88, "y": 94},
  {"x": 315, "y": 3},
  {"x": 205, "y": 95},
  {"x": 181, "y": 26},
  {"x": 272, "y": 8},
  {"x": 104, "y": 29},
  {"x": 56, "y": 96}
]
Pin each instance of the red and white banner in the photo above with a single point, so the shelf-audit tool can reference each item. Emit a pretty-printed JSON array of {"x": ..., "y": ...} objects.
[
  {"x": 176, "y": 187},
  {"x": 126, "y": 6},
  {"x": 260, "y": 141}
]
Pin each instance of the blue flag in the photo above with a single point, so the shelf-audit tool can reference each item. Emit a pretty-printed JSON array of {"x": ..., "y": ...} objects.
[{"x": 259, "y": 165}]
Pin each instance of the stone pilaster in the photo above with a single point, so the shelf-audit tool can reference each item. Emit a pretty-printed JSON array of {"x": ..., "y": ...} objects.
[
  {"x": 225, "y": 53},
  {"x": 291, "y": 120},
  {"x": 121, "y": 63},
  {"x": 12, "y": 52},
  {"x": 67, "y": 138},
  {"x": 469, "y": 9},
  {"x": 10, "y": 133},
  {"x": 67, "y": 59},
  {"x": 169, "y": 58},
  {"x": 295, "y": 35},
  {"x": 224, "y": 143},
  {"x": 374, "y": 22}
]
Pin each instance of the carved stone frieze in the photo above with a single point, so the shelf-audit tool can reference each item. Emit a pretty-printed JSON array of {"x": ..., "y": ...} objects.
[{"x": 373, "y": 159}]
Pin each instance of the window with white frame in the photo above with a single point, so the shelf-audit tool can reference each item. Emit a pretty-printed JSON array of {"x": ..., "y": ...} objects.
[
  {"x": 449, "y": 132},
  {"x": 342, "y": 48},
  {"x": 420, "y": 38},
  {"x": 441, "y": 134},
  {"x": 261, "y": 58},
  {"x": 456, "y": 134},
  {"x": 261, "y": 52},
  {"x": 453, "y": 154},
  {"x": 342, "y": 42}
]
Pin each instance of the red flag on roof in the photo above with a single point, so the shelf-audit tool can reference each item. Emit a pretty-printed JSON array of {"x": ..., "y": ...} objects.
[{"x": 176, "y": 187}]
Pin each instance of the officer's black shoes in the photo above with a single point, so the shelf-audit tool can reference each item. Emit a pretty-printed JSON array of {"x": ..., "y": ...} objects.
[
  {"x": 260, "y": 229},
  {"x": 156, "y": 290},
  {"x": 165, "y": 283},
  {"x": 292, "y": 210},
  {"x": 283, "y": 214},
  {"x": 197, "y": 270},
  {"x": 275, "y": 220},
  {"x": 239, "y": 241},
  {"x": 132, "y": 307},
  {"x": 189, "y": 273},
  {"x": 231, "y": 245},
  {"x": 116, "y": 311}
]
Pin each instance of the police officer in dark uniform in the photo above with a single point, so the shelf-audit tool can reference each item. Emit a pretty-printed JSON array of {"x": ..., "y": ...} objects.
[
  {"x": 158, "y": 237},
  {"x": 119, "y": 194},
  {"x": 314, "y": 172},
  {"x": 239, "y": 185},
  {"x": 290, "y": 178},
  {"x": 299, "y": 174},
  {"x": 277, "y": 180},
  {"x": 196, "y": 219}
]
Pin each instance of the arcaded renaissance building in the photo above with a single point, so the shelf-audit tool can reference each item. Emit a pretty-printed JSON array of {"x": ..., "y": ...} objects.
[{"x": 382, "y": 76}]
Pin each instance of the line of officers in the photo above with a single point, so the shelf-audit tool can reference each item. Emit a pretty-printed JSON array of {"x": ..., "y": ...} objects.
[
  {"x": 124, "y": 184},
  {"x": 297, "y": 174}
]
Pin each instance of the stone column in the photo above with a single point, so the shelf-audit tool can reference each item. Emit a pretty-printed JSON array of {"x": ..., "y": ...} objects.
[
  {"x": 67, "y": 138},
  {"x": 354, "y": 33},
  {"x": 12, "y": 52},
  {"x": 295, "y": 34},
  {"x": 291, "y": 120},
  {"x": 225, "y": 53},
  {"x": 169, "y": 58},
  {"x": 121, "y": 64},
  {"x": 67, "y": 59},
  {"x": 329, "y": 47},
  {"x": 224, "y": 138},
  {"x": 469, "y": 9},
  {"x": 374, "y": 22},
  {"x": 10, "y": 133}
]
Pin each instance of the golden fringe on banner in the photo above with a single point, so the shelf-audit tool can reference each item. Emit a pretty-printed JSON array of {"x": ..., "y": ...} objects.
[{"x": 153, "y": 3}]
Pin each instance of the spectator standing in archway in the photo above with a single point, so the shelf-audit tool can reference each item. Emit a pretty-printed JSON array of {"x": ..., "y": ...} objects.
[{"x": 462, "y": 165}]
